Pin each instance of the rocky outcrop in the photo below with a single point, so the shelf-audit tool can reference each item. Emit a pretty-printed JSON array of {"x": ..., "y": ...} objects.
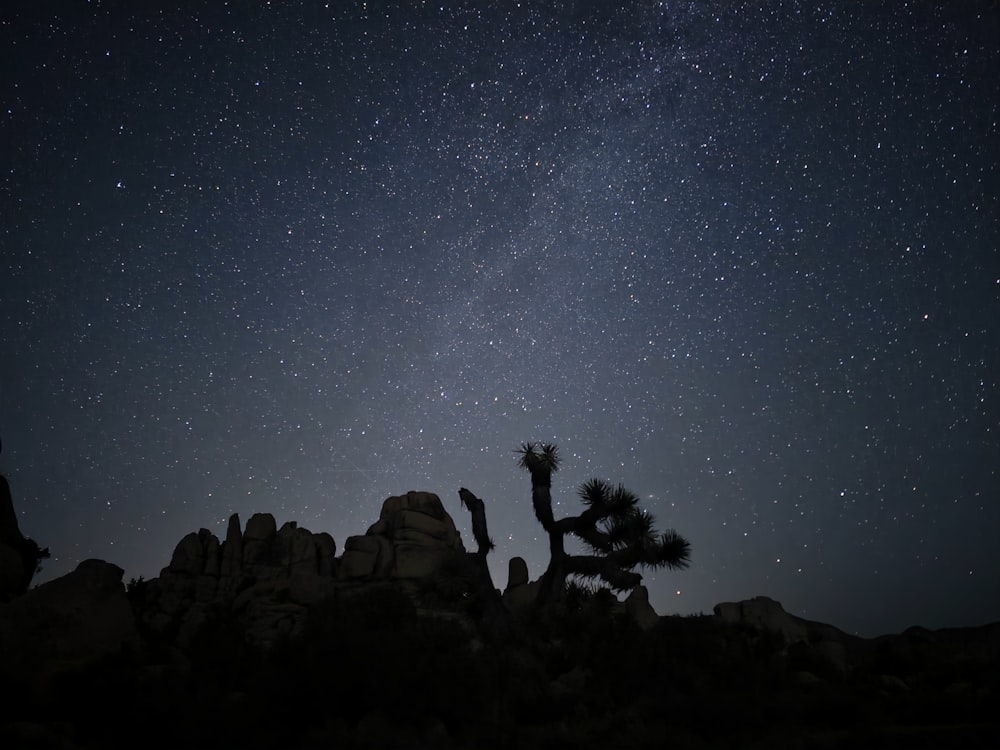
[
  {"x": 820, "y": 649},
  {"x": 764, "y": 614},
  {"x": 266, "y": 576},
  {"x": 826, "y": 653},
  {"x": 517, "y": 573},
  {"x": 264, "y": 579},
  {"x": 520, "y": 593},
  {"x": 637, "y": 607},
  {"x": 19, "y": 555},
  {"x": 67, "y": 623},
  {"x": 413, "y": 536}
]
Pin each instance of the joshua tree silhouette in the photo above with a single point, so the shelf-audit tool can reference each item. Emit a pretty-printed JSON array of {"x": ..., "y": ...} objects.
[
  {"x": 619, "y": 534},
  {"x": 477, "y": 508},
  {"x": 495, "y": 615}
]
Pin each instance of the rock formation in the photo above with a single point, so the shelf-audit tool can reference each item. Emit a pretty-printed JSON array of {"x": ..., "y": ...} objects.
[
  {"x": 265, "y": 575},
  {"x": 637, "y": 607},
  {"x": 268, "y": 577},
  {"x": 19, "y": 555},
  {"x": 763, "y": 614},
  {"x": 408, "y": 663},
  {"x": 67, "y": 623},
  {"x": 520, "y": 593},
  {"x": 402, "y": 660},
  {"x": 11, "y": 568},
  {"x": 412, "y": 537}
]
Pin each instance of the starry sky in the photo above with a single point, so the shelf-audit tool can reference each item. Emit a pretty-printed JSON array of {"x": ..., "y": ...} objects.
[{"x": 296, "y": 257}]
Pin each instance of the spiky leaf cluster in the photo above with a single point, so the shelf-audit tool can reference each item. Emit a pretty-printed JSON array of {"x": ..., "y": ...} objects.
[
  {"x": 614, "y": 525},
  {"x": 538, "y": 456},
  {"x": 605, "y": 500}
]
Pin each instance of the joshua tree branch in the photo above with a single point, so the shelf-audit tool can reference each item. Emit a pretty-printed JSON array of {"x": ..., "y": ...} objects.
[
  {"x": 477, "y": 508},
  {"x": 592, "y": 566},
  {"x": 494, "y": 610},
  {"x": 619, "y": 532},
  {"x": 585, "y": 528}
]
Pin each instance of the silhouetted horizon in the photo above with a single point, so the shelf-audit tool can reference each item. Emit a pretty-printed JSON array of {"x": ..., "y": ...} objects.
[{"x": 294, "y": 258}]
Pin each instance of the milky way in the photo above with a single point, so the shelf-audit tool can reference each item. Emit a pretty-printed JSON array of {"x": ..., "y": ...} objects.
[{"x": 295, "y": 257}]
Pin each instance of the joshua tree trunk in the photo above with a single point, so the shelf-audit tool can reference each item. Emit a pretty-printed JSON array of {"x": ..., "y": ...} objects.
[
  {"x": 541, "y": 496},
  {"x": 553, "y": 580},
  {"x": 620, "y": 534}
]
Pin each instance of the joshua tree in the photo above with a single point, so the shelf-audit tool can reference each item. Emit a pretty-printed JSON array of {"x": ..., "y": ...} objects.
[{"x": 619, "y": 534}]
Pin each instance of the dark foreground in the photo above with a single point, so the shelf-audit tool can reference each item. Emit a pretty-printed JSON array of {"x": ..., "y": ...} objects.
[{"x": 370, "y": 672}]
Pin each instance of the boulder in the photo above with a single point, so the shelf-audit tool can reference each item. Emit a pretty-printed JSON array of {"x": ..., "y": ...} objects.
[
  {"x": 434, "y": 528},
  {"x": 213, "y": 554},
  {"x": 231, "y": 560},
  {"x": 282, "y": 556},
  {"x": 269, "y": 620},
  {"x": 411, "y": 539},
  {"x": 326, "y": 554},
  {"x": 303, "y": 559},
  {"x": 765, "y": 615},
  {"x": 417, "y": 560},
  {"x": 637, "y": 607},
  {"x": 188, "y": 557},
  {"x": 67, "y": 622},
  {"x": 519, "y": 594},
  {"x": 246, "y": 574},
  {"x": 361, "y": 557},
  {"x": 518, "y": 599},
  {"x": 193, "y": 572},
  {"x": 422, "y": 533},
  {"x": 517, "y": 573},
  {"x": 257, "y": 540},
  {"x": 424, "y": 502},
  {"x": 18, "y": 555},
  {"x": 232, "y": 549}
]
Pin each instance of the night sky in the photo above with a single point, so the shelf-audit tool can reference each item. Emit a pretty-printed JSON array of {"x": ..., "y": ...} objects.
[{"x": 297, "y": 257}]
